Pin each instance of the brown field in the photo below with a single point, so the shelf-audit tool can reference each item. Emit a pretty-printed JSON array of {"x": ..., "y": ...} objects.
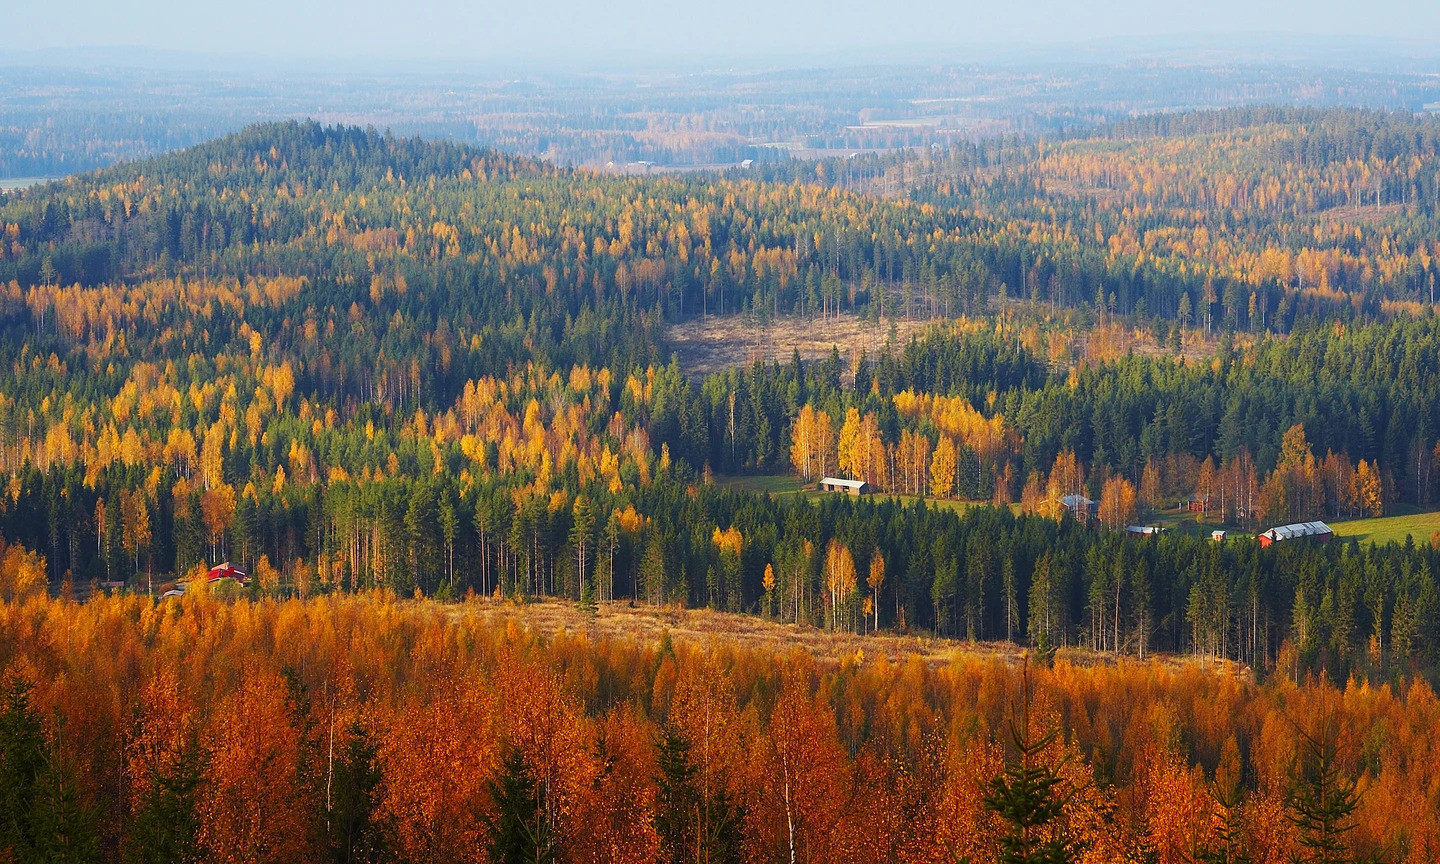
[
  {"x": 707, "y": 628},
  {"x": 717, "y": 343}
]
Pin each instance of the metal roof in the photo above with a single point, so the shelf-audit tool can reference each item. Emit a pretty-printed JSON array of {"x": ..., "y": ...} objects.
[
  {"x": 1297, "y": 529},
  {"x": 836, "y": 481}
]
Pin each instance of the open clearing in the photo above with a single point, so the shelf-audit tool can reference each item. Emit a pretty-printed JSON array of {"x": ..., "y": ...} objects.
[
  {"x": 789, "y": 484},
  {"x": 1388, "y": 528},
  {"x": 709, "y": 629},
  {"x": 717, "y": 343}
]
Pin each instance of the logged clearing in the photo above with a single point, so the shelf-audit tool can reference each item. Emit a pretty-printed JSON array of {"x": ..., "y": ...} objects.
[
  {"x": 789, "y": 484},
  {"x": 708, "y": 628},
  {"x": 1387, "y": 528},
  {"x": 718, "y": 343}
]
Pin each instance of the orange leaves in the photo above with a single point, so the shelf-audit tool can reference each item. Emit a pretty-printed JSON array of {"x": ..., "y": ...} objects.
[
  {"x": 802, "y": 780},
  {"x": 22, "y": 573},
  {"x": 611, "y": 821},
  {"x": 837, "y": 761},
  {"x": 248, "y": 809},
  {"x": 436, "y": 757}
]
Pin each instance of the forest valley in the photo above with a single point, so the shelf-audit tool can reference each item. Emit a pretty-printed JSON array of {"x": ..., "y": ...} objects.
[{"x": 364, "y": 368}]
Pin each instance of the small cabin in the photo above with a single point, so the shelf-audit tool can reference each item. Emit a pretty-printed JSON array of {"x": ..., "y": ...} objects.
[
  {"x": 849, "y": 487},
  {"x": 1083, "y": 508},
  {"x": 1199, "y": 503},
  {"x": 1317, "y": 532},
  {"x": 227, "y": 570},
  {"x": 1217, "y": 536}
]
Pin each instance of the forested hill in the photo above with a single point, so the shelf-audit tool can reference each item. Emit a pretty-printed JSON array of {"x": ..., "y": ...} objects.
[
  {"x": 1252, "y": 220},
  {"x": 267, "y": 184}
]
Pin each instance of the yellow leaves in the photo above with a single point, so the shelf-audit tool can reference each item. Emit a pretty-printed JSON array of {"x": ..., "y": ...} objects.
[
  {"x": 211, "y": 455},
  {"x": 135, "y": 521},
  {"x": 630, "y": 520},
  {"x": 22, "y": 573},
  {"x": 131, "y": 449},
  {"x": 1117, "y": 502},
  {"x": 1369, "y": 491},
  {"x": 957, "y": 418},
  {"x": 1294, "y": 449},
  {"x": 217, "y": 506},
  {"x": 943, "y": 467},
  {"x": 280, "y": 380},
  {"x": 811, "y": 441},
  {"x": 840, "y": 578},
  {"x": 728, "y": 541}
]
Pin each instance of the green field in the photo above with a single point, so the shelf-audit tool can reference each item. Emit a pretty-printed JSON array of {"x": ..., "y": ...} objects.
[
  {"x": 789, "y": 484},
  {"x": 773, "y": 484},
  {"x": 1387, "y": 528}
]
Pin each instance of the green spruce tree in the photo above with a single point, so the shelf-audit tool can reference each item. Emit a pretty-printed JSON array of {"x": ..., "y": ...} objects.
[
  {"x": 1031, "y": 797},
  {"x": 520, "y": 831}
]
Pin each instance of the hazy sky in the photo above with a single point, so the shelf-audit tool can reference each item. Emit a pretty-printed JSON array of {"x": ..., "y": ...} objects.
[{"x": 569, "y": 33}]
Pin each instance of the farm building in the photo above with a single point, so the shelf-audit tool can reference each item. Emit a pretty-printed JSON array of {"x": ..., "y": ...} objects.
[
  {"x": 227, "y": 570},
  {"x": 1145, "y": 530},
  {"x": 1317, "y": 531},
  {"x": 1083, "y": 508},
  {"x": 850, "y": 487}
]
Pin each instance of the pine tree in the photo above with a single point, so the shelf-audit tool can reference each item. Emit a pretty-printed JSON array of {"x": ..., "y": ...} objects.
[
  {"x": 355, "y": 834},
  {"x": 1323, "y": 798},
  {"x": 677, "y": 802},
  {"x": 22, "y": 763},
  {"x": 62, "y": 824},
  {"x": 166, "y": 826},
  {"x": 42, "y": 815},
  {"x": 693, "y": 826},
  {"x": 519, "y": 832},
  {"x": 1030, "y": 796}
]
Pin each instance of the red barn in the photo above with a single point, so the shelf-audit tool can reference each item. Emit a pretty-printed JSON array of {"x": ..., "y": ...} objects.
[
  {"x": 1316, "y": 531},
  {"x": 228, "y": 571}
]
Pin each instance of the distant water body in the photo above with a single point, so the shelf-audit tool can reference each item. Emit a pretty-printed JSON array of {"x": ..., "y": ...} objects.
[{"x": 10, "y": 184}]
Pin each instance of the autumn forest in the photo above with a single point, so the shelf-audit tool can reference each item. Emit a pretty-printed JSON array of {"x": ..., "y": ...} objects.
[{"x": 424, "y": 400}]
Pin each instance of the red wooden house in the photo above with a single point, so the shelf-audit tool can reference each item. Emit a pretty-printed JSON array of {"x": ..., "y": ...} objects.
[{"x": 227, "y": 570}]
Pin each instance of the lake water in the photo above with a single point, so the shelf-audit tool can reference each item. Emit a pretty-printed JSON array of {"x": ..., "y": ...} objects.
[{"x": 9, "y": 184}]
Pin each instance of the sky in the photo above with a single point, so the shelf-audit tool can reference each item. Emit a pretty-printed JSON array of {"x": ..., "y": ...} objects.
[{"x": 568, "y": 34}]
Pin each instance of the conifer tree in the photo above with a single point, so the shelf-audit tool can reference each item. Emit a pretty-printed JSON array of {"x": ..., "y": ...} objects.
[
  {"x": 22, "y": 762},
  {"x": 519, "y": 831},
  {"x": 1031, "y": 797},
  {"x": 1323, "y": 798},
  {"x": 355, "y": 833},
  {"x": 693, "y": 826},
  {"x": 166, "y": 826}
]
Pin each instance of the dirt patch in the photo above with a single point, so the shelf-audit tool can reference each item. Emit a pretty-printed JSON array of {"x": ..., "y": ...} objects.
[
  {"x": 704, "y": 627},
  {"x": 718, "y": 343}
]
